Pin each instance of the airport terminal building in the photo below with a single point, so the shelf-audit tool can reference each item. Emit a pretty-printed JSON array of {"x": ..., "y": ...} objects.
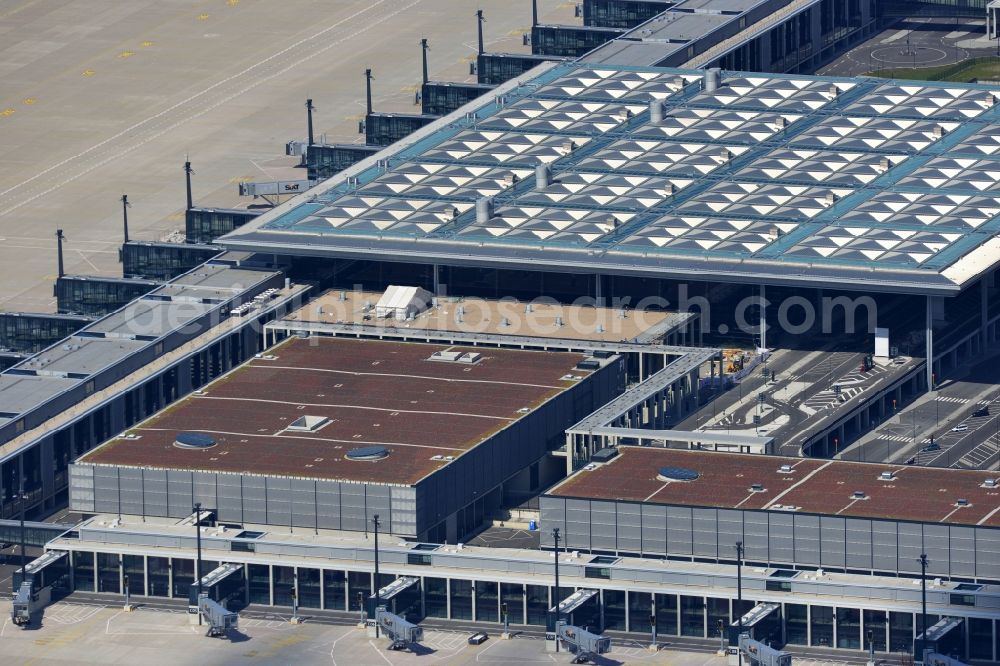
[{"x": 376, "y": 347}]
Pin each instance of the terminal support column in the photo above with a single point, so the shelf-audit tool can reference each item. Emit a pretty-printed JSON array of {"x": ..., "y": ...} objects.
[
  {"x": 984, "y": 291},
  {"x": 930, "y": 345},
  {"x": 763, "y": 319}
]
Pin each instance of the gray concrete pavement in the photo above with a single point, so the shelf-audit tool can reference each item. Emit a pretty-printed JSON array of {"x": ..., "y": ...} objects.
[
  {"x": 104, "y": 97},
  {"x": 91, "y": 630},
  {"x": 975, "y": 442},
  {"x": 915, "y": 42}
]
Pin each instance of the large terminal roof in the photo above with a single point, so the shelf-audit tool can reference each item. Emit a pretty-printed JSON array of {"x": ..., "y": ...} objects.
[
  {"x": 806, "y": 485},
  {"x": 862, "y": 183},
  {"x": 350, "y": 395}
]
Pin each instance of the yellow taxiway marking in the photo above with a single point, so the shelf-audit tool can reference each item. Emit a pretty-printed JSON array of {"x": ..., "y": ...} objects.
[
  {"x": 87, "y": 72},
  {"x": 29, "y": 100},
  {"x": 146, "y": 44},
  {"x": 232, "y": 3},
  {"x": 8, "y": 112},
  {"x": 202, "y": 17},
  {"x": 126, "y": 54}
]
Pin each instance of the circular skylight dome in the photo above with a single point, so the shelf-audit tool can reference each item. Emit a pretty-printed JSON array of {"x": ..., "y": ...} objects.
[
  {"x": 368, "y": 453},
  {"x": 677, "y": 474},
  {"x": 194, "y": 440}
]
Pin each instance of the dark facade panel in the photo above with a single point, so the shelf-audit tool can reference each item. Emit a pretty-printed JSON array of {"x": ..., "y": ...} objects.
[
  {"x": 28, "y": 332},
  {"x": 621, "y": 13},
  {"x": 569, "y": 41},
  {"x": 98, "y": 296},
  {"x": 383, "y": 129},
  {"x": 325, "y": 160},
  {"x": 496, "y": 68},
  {"x": 441, "y": 98},
  {"x": 203, "y": 225},
  {"x": 163, "y": 261}
]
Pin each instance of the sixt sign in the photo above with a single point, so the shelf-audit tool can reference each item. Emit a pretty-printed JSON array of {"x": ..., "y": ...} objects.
[{"x": 274, "y": 188}]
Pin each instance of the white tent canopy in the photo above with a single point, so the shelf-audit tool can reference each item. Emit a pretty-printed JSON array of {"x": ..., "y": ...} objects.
[{"x": 400, "y": 302}]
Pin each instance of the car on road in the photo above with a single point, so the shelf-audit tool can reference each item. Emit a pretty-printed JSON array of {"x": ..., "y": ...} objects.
[
  {"x": 960, "y": 428},
  {"x": 478, "y": 638},
  {"x": 931, "y": 447}
]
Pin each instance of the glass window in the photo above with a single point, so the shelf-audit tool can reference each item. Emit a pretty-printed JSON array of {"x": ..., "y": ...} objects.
[
  {"x": 284, "y": 583},
  {"x": 875, "y": 625},
  {"x": 108, "y": 579},
  {"x": 83, "y": 571},
  {"x": 718, "y": 612},
  {"x": 821, "y": 624},
  {"x": 512, "y": 594},
  {"x": 436, "y": 597},
  {"x": 900, "y": 632},
  {"x": 159, "y": 576},
  {"x": 666, "y": 614},
  {"x": 640, "y": 607},
  {"x": 538, "y": 604},
  {"x": 359, "y": 588},
  {"x": 334, "y": 590},
  {"x": 309, "y": 584},
  {"x": 259, "y": 583},
  {"x": 183, "y": 577},
  {"x": 134, "y": 567},
  {"x": 487, "y": 600},
  {"x": 614, "y": 610},
  {"x": 461, "y": 599},
  {"x": 597, "y": 572},
  {"x": 692, "y": 616},
  {"x": 980, "y": 638},
  {"x": 796, "y": 624},
  {"x": 848, "y": 628}
]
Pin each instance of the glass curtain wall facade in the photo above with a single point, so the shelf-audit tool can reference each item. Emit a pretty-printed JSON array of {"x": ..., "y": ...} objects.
[
  {"x": 841, "y": 627},
  {"x": 204, "y": 225}
]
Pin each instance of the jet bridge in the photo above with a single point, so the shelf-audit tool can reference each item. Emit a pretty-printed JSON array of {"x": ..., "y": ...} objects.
[
  {"x": 762, "y": 623},
  {"x": 400, "y": 597},
  {"x": 945, "y": 637},
  {"x": 582, "y": 644},
  {"x": 38, "y": 583},
  {"x": 218, "y": 619}
]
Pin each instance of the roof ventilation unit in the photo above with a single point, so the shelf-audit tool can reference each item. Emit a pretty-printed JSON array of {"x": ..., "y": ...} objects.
[
  {"x": 568, "y": 146},
  {"x": 781, "y": 122},
  {"x": 887, "y": 476},
  {"x": 484, "y": 210},
  {"x": 834, "y": 92},
  {"x": 510, "y": 180},
  {"x": 960, "y": 502},
  {"x": 725, "y": 155},
  {"x": 543, "y": 176},
  {"x": 859, "y": 495},
  {"x": 884, "y": 164},
  {"x": 710, "y": 79},
  {"x": 991, "y": 483},
  {"x": 677, "y": 474},
  {"x": 786, "y": 469},
  {"x": 938, "y": 131},
  {"x": 830, "y": 198},
  {"x": 368, "y": 453},
  {"x": 757, "y": 488},
  {"x": 308, "y": 423}
]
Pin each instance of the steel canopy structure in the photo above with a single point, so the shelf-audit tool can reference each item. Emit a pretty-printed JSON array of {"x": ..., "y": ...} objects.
[{"x": 773, "y": 179}]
